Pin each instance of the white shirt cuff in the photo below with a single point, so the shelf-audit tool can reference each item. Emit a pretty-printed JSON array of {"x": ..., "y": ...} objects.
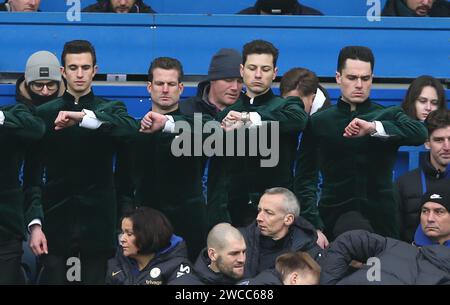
[
  {"x": 380, "y": 132},
  {"x": 34, "y": 222},
  {"x": 2, "y": 118},
  {"x": 90, "y": 121},
  {"x": 255, "y": 119},
  {"x": 169, "y": 127}
]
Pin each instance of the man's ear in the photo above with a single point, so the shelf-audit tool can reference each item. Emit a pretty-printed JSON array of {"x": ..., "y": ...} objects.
[
  {"x": 275, "y": 73},
  {"x": 212, "y": 254},
  {"x": 338, "y": 77},
  {"x": 289, "y": 219},
  {"x": 293, "y": 278},
  {"x": 427, "y": 144}
]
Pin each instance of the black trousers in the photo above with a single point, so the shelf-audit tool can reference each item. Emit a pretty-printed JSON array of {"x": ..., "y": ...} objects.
[
  {"x": 10, "y": 260},
  {"x": 72, "y": 270}
]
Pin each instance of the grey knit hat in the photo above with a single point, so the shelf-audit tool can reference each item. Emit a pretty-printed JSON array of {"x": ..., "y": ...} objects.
[
  {"x": 42, "y": 65},
  {"x": 225, "y": 64}
]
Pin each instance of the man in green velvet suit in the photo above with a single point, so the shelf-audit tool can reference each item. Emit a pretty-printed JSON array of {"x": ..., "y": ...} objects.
[
  {"x": 18, "y": 129},
  {"x": 247, "y": 178},
  {"x": 353, "y": 145},
  {"x": 73, "y": 214},
  {"x": 164, "y": 181}
]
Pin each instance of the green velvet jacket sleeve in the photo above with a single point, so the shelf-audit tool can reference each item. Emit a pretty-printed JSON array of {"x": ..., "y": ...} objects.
[
  {"x": 20, "y": 122},
  {"x": 116, "y": 119},
  {"x": 307, "y": 178},
  {"x": 402, "y": 129},
  {"x": 290, "y": 115}
]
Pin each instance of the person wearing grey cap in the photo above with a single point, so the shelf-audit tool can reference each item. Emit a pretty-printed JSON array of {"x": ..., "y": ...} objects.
[
  {"x": 42, "y": 80},
  {"x": 20, "y": 5},
  {"x": 279, "y": 7}
]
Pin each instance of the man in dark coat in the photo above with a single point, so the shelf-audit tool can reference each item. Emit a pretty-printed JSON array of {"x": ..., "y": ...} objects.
[
  {"x": 18, "y": 129},
  {"x": 278, "y": 229},
  {"x": 119, "y": 6},
  {"x": 417, "y": 8},
  {"x": 434, "y": 171},
  {"x": 220, "y": 89},
  {"x": 73, "y": 212},
  {"x": 386, "y": 261},
  {"x": 279, "y": 7},
  {"x": 221, "y": 262},
  {"x": 353, "y": 145}
]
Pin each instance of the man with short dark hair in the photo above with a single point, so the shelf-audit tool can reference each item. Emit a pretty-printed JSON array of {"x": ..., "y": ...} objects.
[
  {"x": 261, "y": 110},
  {"x": 73, "y": 214},
  {"x": 119, "y": 6},
  {"x": 279, "y": 7},
  {"x": 164, "y": 181},
  {"x": 416, "y": 8},
  {"x": 20, "y": 5},
  {"x": 433, "y": 171},
  {"x": 353, "y": 145}
]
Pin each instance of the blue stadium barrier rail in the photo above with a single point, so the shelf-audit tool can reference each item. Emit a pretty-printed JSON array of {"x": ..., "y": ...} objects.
[{"x": 126, "y": 43}]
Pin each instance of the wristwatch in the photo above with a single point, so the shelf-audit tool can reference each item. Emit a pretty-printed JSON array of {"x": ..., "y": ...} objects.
[{"x": 245, "y": 117}]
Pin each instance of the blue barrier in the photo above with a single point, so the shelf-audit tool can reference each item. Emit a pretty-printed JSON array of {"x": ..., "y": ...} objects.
[
  {"x": 327, "y": 7},
  {"x": 127, "y": 43}
]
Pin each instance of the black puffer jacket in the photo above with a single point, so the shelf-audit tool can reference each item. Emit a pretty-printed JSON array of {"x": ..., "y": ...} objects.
[
  {"x": 166, "y": 266},
  {"x": 104, "y": 6},
  {"x": 266, "y": 277},
  {"x": 441, "y": 8},
  {"x": 298, "y": 10},
  {"x": 399, "y": 263},
  {"x": 409, "y": 191},
  {"x": 301, "y": 236},
  {"x": 203, "y": 275}
]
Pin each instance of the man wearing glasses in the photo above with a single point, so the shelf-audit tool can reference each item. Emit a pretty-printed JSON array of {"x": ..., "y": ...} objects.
[{"x": 42, "y": 80}]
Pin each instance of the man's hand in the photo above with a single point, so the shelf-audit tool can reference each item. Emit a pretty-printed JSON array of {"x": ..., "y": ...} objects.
[
  {"x": 38, "y": 242},
  {"x": 232, "y": 121},
  {"x": 322, "y": 240},
  {"x": 153, "y": 122},
  {"x": 68, "y": 118},
  {"x": 359, "y": 128}
]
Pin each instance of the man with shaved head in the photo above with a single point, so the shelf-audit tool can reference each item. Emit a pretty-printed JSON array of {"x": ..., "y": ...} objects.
[{"x": 221, "y": 262}]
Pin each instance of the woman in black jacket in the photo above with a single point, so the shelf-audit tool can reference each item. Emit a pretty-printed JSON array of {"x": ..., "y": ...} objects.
[{"x": 149, "y": 252}]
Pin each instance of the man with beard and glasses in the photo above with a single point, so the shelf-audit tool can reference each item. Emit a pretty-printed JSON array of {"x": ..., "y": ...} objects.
[
  {"x": 221, "y": 262},
  {"x": 42, "y": 80},
  {"x": 119, "y": 6},
  {"x": 416, "y": 8}
]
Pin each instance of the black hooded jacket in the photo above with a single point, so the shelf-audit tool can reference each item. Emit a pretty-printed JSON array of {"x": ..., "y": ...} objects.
[
  {"x": 203, "y": 275},
  {"x": 104, "y": 6},
  {"x": 301, "y": 236},
  {"x": 164, "y": 267},
  {"x": 397, "y": 262},
  {"x": 298, "y": 10},
  {"x": 409, "y": 191}
]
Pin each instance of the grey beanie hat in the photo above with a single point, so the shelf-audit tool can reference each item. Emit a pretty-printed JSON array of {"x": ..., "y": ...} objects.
[
  {"x": 42, "y": 65},
  {"x": 225, "y": 64}
]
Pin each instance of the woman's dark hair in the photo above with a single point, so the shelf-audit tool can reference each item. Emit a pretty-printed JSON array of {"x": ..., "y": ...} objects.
[
  {"x": 151, "y": 228},
  {"x": 414, "y": 91}
]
